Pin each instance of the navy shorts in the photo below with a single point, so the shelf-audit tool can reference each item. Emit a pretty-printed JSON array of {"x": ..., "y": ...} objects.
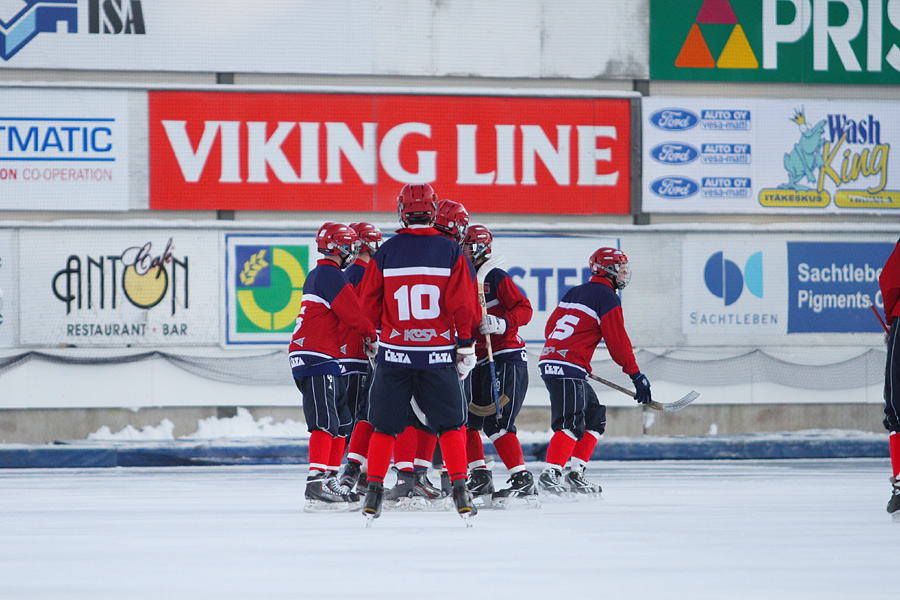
[
  {"x": 439, "y": 395},
  {"x": 513, "y": 380},
  {"x": 892, "y": 381},
  {"x": 358, "y": 394},
  {"x": 325, "y": 404},
  {"x": 574, "y": 407}
]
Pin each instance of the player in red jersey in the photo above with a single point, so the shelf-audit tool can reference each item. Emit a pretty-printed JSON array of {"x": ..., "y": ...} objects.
[
  {"x": 421, "y": 289},
  {"x": 507, "y": 310},
  {"x": 889, "y": 281},
  {"x": 356, "y": 365},
  {"x": 414, "y": 448},
  {"x": 586, "y": 314},
  {"x": 328, "y": 300}
]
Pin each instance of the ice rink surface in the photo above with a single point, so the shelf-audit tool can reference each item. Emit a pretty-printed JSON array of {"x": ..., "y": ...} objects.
[{"x": 732, "y": 530}]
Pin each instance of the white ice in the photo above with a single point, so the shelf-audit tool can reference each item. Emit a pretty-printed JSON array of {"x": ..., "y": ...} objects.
[{"x": 729, "y": 530}]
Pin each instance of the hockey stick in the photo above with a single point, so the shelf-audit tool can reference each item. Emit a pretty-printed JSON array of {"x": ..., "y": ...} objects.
[
  {"x": 486, "y": 268},
  {"x": 880, "y": 320},
  {"x": 660, "y": 406}
]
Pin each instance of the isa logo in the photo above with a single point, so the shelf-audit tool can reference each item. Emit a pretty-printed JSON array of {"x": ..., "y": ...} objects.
[
  {"x": 264, "y": 287},
  {"x": 674, "y": 119},
  {"x": 674, "y": 188},
  {"x": 724, "y": 279},
  {"x": 674, "y": 153}
]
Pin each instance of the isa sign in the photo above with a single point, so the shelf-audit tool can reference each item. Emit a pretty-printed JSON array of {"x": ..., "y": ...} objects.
[
  {"x": 832, "y": 286},
  {"x": 734, "y": 286}
]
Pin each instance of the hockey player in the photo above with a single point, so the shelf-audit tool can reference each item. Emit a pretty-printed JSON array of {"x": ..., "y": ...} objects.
[
  {"x": 421, "y": 289},
  {"x": 414, "y": 447},
  {"x": 507, "y": 310},
  {"x": 586, "y": 314},
  {"x": 328, "y": 300},
  {"x": 889, "y": 281},
  {"x": 355, "y": 363}
]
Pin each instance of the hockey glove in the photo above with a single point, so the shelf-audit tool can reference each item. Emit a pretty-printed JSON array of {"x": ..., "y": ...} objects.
[
  {"x": 370, "y": 347},
  {"x": 492, "y": 324},
  {"x": 641, "y": 388},
  {"x": 465, "y": 360}
]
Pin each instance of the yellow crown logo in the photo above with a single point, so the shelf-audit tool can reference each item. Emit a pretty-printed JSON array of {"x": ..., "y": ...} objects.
[{"x": 799, "y": 117}]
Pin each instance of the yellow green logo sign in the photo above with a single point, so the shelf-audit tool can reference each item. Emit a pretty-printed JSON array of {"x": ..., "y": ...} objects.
[
  {"x": 268, "y": 284},
  {"x": 808, "y": 41}
]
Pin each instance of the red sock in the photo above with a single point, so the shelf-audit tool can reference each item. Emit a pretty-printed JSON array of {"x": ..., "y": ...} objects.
[
  {"x": 584, "y": 447},
  {"x": 453, "y": 449},
  {"x": 359, "y": 442},
  {"x": 474, "y": 448},
  {"x": 405, "y": 448},
  {"x": 895, "y": 453},
  {"x": 338, "y": 445},
  {"x": 561, "y": 445},
  {"x": 381, "y": 446},
  {"x": 426, "y": 441},
  {"x": 510, "y": 450},
  {"x": 319, "y": 450}
]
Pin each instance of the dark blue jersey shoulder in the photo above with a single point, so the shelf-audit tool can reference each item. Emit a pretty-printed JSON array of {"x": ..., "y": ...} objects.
[
  {"x": 492, "y": 283},
  {"x": 355, "y": 273},
  {"x": 408, "y": 250},
  {"x": 325, "y": 281},
  {"x": 597, "y": 296}
]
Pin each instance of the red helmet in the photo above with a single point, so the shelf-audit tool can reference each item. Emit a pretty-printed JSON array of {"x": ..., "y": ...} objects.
[
  {"x": 369, "y": 235},
  {"x": 335, "y": 239},
  {"x": 611, "y": 261},
  {"x": 477, "y": 243},
  {"x": 452, "y": 220},
  {"x": 417, "y": 203}
]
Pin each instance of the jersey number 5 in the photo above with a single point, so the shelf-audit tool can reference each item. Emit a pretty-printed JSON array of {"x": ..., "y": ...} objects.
[
  {"x": 565, "y": 327},
  {"x": 420, "y": 302}
]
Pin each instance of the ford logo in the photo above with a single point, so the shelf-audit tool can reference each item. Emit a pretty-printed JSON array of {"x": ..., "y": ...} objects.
[
  {"x": 674, "y": 153},
  {"x": 674, "y": 187},
  {"x": 674, "y": 119}
]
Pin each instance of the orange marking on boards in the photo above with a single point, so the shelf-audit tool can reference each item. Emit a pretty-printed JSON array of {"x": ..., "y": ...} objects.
[
  {"x": 695, "y": 53},
  {"x": 737, "y": 53},
  {"x": 718, "y": 12}
]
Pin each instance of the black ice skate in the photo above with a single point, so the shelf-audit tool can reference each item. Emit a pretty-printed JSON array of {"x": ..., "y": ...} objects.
[
  {"x": 325, "y": 494},
  {"x": 574, "y": 479},
  {"x": 481, "y": 484},
  {"x": 522, "y": 492},
  {"x": 462, "y": 499},
  {"x": 399, "y": 496},
  {"x": 425, "y": 495},
  {"x": 893, "y": 506},
  {"x": 349, "y": 475},
  {"x": 372, "y": 503},
  {"x": 551, "y": 486}
]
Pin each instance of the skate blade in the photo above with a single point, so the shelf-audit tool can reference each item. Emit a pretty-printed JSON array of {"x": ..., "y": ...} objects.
[
  {"x": 517, "y": 502},
  {"x": 400, "y": 504},
  {"x": 430, "y": 504},
  {"x": 369, "y": 519},
  {"x": 318, "y": 506},
  {"x": 896, "y": 516},
  {"x": 467, "y": 519},
  {"x": 589, "y": 495},
  {"x": 562, "y": 497}
]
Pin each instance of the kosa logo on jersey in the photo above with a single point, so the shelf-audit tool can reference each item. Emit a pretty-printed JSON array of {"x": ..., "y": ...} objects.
[
  {"x": 396, "y": 357},
  {"x": 725, "y": 280},
  {"x": 418, "y": 335},
  {"x": 725, "y": 154},
  {"x": 61, "y": 16},
  {"x": 674, "y": 153},
  {"x": 725, "y": 187},
  {"x": 674, "y": 188},
  {"x": 268, "y": 284},
  {"x": 674, "y": 119},
  {"x": 725, "y": 120}
]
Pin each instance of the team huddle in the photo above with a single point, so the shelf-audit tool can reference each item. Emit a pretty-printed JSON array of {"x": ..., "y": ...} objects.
[{"x": 409, "y": 344}]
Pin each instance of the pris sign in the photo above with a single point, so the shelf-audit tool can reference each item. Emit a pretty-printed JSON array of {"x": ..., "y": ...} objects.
[{"x": 353, "y": 152}]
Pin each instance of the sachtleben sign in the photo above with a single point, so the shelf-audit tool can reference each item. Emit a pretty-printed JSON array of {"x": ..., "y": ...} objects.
[{"x": 809, "y": 41}]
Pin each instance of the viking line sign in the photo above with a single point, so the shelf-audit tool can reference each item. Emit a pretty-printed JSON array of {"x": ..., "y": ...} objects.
[{"x": 353, "y": 152}]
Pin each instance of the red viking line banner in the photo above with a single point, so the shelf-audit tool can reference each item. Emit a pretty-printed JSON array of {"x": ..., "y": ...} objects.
[{"x": 353, "y": 152}]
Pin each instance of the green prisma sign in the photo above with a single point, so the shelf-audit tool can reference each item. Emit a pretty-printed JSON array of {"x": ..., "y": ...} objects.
[{"x": 807, "y": 41}]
